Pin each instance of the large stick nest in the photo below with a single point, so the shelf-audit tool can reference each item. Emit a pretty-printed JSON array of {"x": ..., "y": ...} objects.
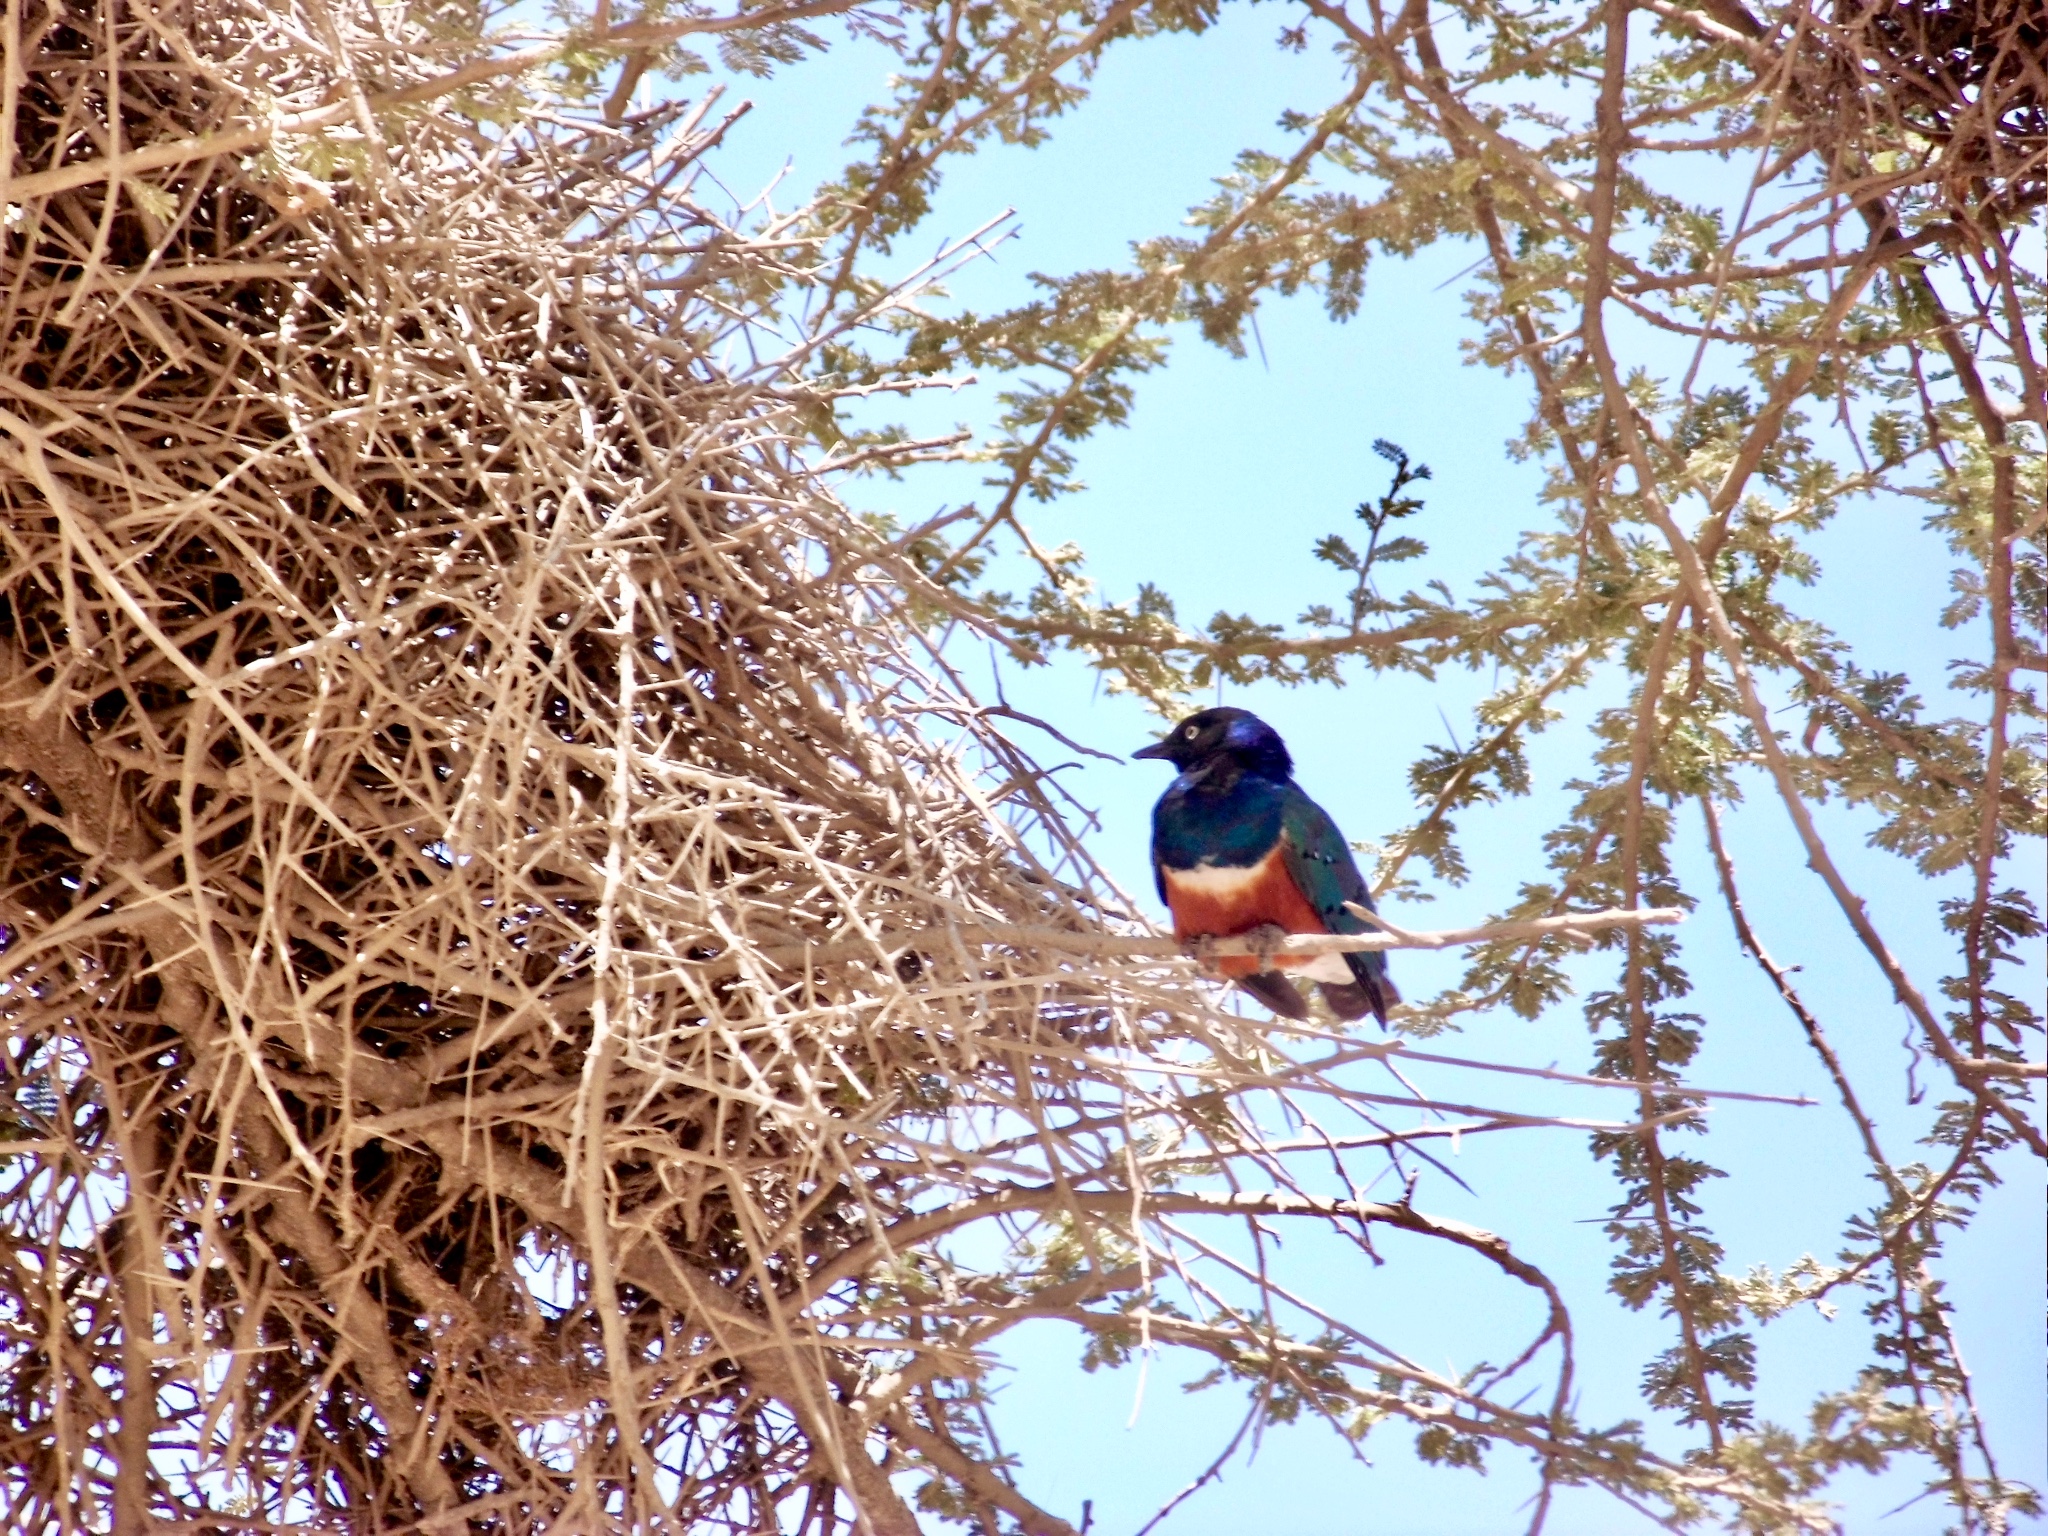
[
  {"x": 499, "y": 916},
  {"x": 1955, "y": 87}
]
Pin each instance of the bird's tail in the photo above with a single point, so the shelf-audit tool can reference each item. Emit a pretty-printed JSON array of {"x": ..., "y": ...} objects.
[
  {"x": 1277, "y": 993},
  {"x": 1373, "y": 994}
]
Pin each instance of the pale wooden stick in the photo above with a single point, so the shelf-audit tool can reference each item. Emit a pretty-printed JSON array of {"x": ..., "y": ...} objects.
[{"x": 1161, "y": 946}]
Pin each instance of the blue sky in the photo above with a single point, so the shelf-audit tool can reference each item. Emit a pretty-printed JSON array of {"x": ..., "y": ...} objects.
[{"x": 1230, "y": 471}]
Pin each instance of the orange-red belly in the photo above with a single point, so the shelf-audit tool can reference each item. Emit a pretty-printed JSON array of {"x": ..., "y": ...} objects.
[{"x": 1223, "y": 903}]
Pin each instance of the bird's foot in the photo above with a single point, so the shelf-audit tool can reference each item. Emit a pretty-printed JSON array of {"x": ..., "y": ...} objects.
[
  {"x": 1265, "y": 940},
  {"x": 1201, "y": 948}
]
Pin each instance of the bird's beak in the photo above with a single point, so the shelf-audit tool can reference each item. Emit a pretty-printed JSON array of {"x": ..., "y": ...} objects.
[{"x": 1157, "y": 749}]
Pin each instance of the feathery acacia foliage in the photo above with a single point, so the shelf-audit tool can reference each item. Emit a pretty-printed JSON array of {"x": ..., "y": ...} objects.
[
  {"x": 366, "y": 462},
  {"x": 1860, "y": 321}
]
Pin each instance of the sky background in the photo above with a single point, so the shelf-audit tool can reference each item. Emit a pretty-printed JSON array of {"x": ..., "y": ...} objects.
[{"x": 1229, "y": 472}]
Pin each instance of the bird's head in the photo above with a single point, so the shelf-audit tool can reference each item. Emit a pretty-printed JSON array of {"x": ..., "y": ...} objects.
[{"x": 1236, "y": 734}]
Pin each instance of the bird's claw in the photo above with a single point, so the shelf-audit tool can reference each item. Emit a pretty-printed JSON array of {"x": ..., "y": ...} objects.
[{"x": 1265, "y": 941}]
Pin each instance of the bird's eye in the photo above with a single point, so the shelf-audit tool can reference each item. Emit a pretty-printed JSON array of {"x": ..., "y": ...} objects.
[{"x": 1189, "y": 732}]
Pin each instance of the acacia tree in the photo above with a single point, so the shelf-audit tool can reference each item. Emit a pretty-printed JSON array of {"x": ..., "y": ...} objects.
[
  {"x": 1861, "y": 322},
  {"x": 520, "y": 954}
]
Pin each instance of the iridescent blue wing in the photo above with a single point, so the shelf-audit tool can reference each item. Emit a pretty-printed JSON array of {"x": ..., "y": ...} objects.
[{"x": 1325, "y": 873}]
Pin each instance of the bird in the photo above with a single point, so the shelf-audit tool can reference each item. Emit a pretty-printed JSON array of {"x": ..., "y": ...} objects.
[{"x": 1237, "y": 846}]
